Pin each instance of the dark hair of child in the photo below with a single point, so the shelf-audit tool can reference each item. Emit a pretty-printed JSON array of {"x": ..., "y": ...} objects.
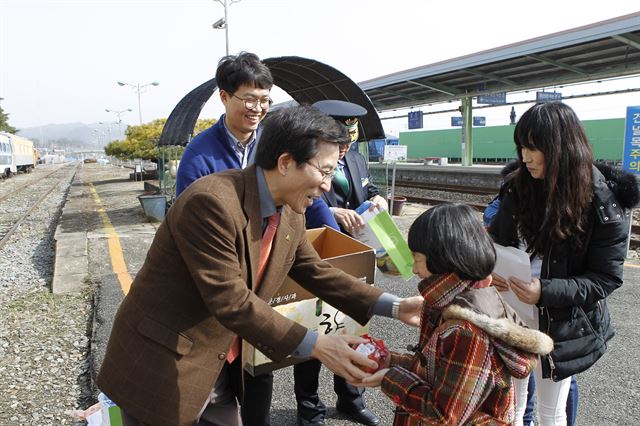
[{"x": 452, "y": 238}]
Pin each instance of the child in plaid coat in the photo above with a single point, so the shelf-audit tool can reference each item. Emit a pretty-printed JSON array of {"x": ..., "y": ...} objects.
[{"x": 471, "y": 342}]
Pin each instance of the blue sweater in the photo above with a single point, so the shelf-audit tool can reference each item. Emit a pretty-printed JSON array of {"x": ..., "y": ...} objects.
[{"x": 209, "y": 152}]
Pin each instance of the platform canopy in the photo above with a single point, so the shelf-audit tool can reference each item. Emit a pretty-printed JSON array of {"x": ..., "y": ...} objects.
[
  {"x": 305, "y": 80},
  {"x": 597, "y": 51}
]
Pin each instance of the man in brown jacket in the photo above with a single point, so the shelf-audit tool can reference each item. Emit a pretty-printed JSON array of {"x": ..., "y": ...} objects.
[{"x": 166, "y": 361}]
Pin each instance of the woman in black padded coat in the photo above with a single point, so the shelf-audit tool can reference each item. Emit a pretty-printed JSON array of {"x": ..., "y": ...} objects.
[{"x": 572, "y": 218}]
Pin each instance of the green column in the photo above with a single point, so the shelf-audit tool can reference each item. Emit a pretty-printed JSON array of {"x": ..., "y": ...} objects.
[{"x": 467, "y": 136}]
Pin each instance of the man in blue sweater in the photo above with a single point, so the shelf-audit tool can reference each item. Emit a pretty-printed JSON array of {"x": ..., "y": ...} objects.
[{"x": 244, "y": 83}]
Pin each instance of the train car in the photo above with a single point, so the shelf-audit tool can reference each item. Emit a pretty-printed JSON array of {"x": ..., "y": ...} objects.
[
  {"x": 17, "y": 154},
  {"x": 6, "y": 156}
]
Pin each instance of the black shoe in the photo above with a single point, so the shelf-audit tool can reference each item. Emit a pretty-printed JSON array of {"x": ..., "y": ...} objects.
[
  {"x": 318, "y": 421},
  {"x": 364, "y": 416}
]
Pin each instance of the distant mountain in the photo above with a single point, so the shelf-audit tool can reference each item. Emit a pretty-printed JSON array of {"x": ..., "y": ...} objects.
[{"x": 93, "y": 134}]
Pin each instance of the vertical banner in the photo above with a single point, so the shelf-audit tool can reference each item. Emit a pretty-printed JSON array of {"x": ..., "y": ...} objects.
[{"x": 631, "y": 149}]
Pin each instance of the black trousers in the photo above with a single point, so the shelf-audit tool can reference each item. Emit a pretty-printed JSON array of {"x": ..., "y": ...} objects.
[
  {"x": 306, "y": 388},
  {"x": 256, "y": 403}
]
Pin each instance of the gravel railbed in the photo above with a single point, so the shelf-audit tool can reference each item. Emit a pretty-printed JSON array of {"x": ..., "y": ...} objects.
[
  {"x": 443, "y": 195},
  {"x": 8, "y": 185},
  {"x": 43, "y": 340},
  {"x": 17, "y": 203}
]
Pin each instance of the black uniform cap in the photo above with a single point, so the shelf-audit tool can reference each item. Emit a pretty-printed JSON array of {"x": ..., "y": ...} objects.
[{"x": 340, "y": 109}]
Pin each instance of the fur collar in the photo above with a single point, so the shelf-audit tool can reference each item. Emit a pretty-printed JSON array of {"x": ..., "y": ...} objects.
[
  {"x": 621, "y": 183},
  {"x": 504, "y": 329}
]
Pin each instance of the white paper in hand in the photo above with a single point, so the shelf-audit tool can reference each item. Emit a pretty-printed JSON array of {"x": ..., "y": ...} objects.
[{"x": 513, "y": 262}]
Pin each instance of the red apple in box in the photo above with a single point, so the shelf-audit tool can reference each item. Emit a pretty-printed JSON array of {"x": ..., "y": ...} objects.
[{"x": 374, "y": 349}]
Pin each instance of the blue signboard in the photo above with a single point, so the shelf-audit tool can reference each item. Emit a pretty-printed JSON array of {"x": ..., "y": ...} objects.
[
  {"x": 479, "y": 121},
  {"x": 499, "y": 98},
  {"x": 457, "y": 121},
  {"x": 548, "y": 97},
  {"x": 415, "y": 119},
  {"x": 631, "y": 149}
]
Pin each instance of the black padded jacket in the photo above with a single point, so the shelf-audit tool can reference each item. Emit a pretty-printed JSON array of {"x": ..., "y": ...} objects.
[{"x": 576, "y": 282}]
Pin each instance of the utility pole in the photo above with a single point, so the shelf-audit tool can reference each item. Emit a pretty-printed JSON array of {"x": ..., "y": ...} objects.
[
  {"x": 138, "y": 89},
  {"x": 118, "y": 114},
  {"x": 224, "y": 22}
]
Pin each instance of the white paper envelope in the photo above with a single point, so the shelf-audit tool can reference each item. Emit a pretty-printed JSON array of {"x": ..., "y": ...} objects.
[{"x": 513, "y": 262}]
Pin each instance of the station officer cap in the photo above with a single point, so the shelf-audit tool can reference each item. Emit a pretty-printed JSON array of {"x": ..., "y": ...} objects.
[
  {"x": 340, "y": 109},
  {"x": 344, "y": 112}
]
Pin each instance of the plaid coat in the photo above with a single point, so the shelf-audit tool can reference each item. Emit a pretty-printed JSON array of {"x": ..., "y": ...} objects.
[{"x": 471, "y": 344}]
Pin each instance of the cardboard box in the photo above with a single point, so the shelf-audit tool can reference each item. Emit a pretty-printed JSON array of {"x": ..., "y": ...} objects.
[{"x": 296, "y": 303}]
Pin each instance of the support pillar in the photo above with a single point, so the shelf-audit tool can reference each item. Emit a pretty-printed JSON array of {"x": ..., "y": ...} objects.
[{"x": 467, "y": 136}]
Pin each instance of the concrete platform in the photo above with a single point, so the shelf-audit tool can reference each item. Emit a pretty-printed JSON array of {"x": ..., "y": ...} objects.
[
  {"x": 485, "y": 176},
  {"x": 102, "y": 242}
]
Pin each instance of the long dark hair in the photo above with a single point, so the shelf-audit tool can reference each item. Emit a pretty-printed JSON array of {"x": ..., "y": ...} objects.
[
  {"x": 553, "y": 209},
  {"x": 453, "y": 239}
]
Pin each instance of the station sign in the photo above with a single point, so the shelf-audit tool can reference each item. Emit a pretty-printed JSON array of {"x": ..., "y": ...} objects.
[
  {"x": 499, "y": 98},
  {"x": 631, "y": 148},
  {"x": 415, "y": 119},
  {"x": 457, "y": 121},
  {"x": 548, "y": 97},
  {"x": 395, "y": 152},
  {"x": 479, "y": 121}
]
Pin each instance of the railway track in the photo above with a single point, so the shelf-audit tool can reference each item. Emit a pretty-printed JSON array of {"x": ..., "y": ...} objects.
[
  {"x": 33, "y": 180},
  {"x": 20, "y": 202},
  {"x": 634, "y": 240},
  {"x": 435, "y": 201},
  {"x": 464, "y": 189}
]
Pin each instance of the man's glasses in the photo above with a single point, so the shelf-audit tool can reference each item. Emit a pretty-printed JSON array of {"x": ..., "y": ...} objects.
[
  {"x": 325, "y": 175},
  {"x": 252, "y": 103}
]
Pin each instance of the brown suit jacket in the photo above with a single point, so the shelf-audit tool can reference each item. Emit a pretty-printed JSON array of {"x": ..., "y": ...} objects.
[{"x": 193, "y": 295}]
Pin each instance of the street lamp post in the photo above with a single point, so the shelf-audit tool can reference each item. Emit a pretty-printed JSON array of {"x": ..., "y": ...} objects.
[
  {"x": 138, "y": 89},
  {"x": 108, "y": 124},
  {"x": 224, "y": 22},
  {"x": 99, "y": 135},
  {"x": 118, "y": 114}
]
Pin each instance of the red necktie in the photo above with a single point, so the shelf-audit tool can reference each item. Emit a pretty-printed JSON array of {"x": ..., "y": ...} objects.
[{"x": 265, "y": 249}]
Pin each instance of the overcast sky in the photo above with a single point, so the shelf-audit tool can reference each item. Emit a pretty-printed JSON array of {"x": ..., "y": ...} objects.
[{"x": 60, "y": 60}]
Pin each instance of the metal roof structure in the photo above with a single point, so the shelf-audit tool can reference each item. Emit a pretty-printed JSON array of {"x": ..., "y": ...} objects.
[
  {"x": 597, "y": 51},
  {"x": 305, "y": 80}
]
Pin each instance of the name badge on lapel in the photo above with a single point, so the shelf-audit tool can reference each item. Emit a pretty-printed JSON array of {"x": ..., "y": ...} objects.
[{"x": 365, "y": 181}]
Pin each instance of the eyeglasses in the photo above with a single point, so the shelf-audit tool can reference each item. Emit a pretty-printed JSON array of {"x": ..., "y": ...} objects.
[
  {"x": 252, "y": 103},
  {"x": 325, "y": 175}
]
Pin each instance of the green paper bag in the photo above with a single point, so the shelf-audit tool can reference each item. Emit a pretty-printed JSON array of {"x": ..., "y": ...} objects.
[
  {"x": 380, "y": 232},
  {"x": 111, "y": 415}
]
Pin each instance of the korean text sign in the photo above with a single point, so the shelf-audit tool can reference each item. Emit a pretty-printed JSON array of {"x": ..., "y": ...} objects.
[{"x": 631, "y": 150}]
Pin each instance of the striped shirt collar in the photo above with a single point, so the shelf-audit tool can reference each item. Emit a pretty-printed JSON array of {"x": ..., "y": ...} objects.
[{"x": 243, "y": 151}]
